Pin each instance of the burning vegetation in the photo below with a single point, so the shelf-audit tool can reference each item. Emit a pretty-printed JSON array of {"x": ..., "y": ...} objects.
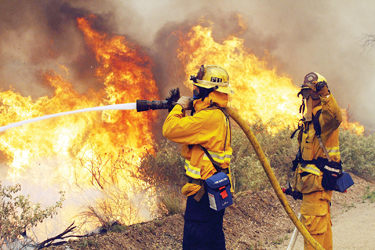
[{"x": 102, "y": 151}]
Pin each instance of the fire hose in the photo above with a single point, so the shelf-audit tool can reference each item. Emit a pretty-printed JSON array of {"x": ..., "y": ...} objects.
[
  {"x": 272, "y": 178},
  {"x": 143, "y": 105}
]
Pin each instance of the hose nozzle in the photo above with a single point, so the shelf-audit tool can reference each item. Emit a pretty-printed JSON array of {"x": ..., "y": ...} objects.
[
  {"x": 169, "y": 103},
  {"x": 144, "y": 105}
]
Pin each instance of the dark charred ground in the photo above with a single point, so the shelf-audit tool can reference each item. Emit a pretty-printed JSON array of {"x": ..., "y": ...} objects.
[{"x": 257, "y": 220}]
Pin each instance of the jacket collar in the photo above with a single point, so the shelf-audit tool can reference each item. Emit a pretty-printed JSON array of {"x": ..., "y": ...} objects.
[{"x": 218, "y": 98}]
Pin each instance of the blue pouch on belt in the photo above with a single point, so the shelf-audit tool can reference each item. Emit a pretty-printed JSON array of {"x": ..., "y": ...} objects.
[
  {"x": 218, "y": 189},
  {"x": 344, "y": 182}
]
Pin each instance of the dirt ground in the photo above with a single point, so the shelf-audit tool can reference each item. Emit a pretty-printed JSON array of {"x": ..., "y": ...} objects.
[
  {"x": 257, "y": 220},
  {"x": 352, "y": 229}
]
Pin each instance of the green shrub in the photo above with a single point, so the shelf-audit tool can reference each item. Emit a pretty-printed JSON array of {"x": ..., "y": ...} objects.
[
  {"x": 279, "y": 149},
  {"x": 18, "y": 215},
  {"x": 368, "y": 195},
  {"x": 165, "y": 167},
  {"x": 171, "y": 201},
  {"x": 118, "y": 228},
  {"x": 248, "y": 174},
  {"x": 358, "y": 154},
  {"x": 165, "y": 171},
  {"x": 88, "y": 243}
]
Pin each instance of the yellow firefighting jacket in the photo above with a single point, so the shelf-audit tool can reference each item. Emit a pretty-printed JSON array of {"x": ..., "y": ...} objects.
[
  {"x": 308, "y": 179},
  {"x": 208, "y": 127}
]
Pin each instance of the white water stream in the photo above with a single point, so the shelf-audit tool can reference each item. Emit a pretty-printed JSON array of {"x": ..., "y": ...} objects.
[{"x": 124, "y": 106}]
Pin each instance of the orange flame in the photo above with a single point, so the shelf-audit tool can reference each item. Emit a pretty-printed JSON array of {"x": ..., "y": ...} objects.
[
  {"x": 69, "y": 147},
  {"x": 260, "y": 92},
  {"x": 75, "y": 143},
  {"x": 354, "y": 127}
]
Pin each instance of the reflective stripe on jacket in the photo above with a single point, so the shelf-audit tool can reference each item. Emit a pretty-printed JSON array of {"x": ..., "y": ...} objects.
[
  {"x": 310, "y": 168},
  {"x": 207, "y": 127},
  {"x": 219, "y": 157},
  {"x": 308, "y": 178},
  {"x": 329, "y": 120}
]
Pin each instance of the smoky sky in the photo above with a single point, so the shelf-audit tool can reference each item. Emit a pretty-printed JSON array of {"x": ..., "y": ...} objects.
[{"x": 301, "y": 36}]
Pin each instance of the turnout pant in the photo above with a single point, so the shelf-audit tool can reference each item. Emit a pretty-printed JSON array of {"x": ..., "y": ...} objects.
[
  {"x": 203, "y": 228},
  {"x": 316, "y": 217}
]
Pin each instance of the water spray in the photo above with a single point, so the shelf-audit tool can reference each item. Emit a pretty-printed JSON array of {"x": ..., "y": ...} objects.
[
  {"x": 124, "y": 106},
  {"x": 139, "y": 105}
]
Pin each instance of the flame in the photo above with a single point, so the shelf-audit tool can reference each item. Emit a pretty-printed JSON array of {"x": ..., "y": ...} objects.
[
  {"x": 31, "y": 142},
  {"x": 101, "y": 148},
  {"x": 260, "y": 92},
  {"x": 83, "y": 147},
  {"x": 354, "y": 127}
]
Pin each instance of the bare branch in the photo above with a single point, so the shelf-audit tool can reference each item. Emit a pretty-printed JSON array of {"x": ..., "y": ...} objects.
[
  {"x": 368, "y": 41},
  {"x": 50, "y": 241}
]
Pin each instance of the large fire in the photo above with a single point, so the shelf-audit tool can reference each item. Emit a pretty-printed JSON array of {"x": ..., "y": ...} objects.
[
  {"x": 260, "y": 93},
  {"x": 100, "y": 149},
  {"x": 86, "y": 150}
]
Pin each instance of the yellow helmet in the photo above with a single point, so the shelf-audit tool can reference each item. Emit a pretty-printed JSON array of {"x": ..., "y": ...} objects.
[
  {"x": 311, "y": 79},
  {"x": 308, "y": 88},
  {"x": 213, "y": 76}
]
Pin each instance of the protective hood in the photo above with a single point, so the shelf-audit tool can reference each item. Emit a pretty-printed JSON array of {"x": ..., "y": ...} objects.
[{"x": 215, "y": 97}]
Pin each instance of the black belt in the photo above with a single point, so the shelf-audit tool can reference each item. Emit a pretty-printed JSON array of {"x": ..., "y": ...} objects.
[
  {"x": 225, "y": 170},
  {"x": 196, "y": 181}
]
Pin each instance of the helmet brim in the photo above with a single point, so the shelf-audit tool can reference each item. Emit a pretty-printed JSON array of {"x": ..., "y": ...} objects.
[
  {"x": 222, "y": 87},
  {"x": 226, "y": 89}
]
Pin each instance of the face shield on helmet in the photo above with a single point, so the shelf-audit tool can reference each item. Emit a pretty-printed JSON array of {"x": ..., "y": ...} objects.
[
  {"x": 214, "y": 78},
  {"x": 308, "y": 92}
]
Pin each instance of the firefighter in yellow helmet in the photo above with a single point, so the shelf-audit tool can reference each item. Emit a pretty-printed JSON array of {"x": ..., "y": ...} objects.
[
  {"x": 207, "y": 129},
  {"x": 320, "y": 108}
]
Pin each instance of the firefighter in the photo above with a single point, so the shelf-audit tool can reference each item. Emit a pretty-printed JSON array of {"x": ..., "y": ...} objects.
[
  {"x": 315, "y": 207},
  {"x": 207, "y": 127}
]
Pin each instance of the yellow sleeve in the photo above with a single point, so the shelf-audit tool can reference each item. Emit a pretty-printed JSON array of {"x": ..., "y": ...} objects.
[
  {"x": 195, "y": 129},
  {"x": 331, "y": 116}
]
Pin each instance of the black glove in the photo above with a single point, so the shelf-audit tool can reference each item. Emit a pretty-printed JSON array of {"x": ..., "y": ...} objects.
[
  {"x": 322, "y": 89},
  {"x": 292, "y": 192},
  {"x": 173, "y": 96},
  {"x": 320, "y": 85}
]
